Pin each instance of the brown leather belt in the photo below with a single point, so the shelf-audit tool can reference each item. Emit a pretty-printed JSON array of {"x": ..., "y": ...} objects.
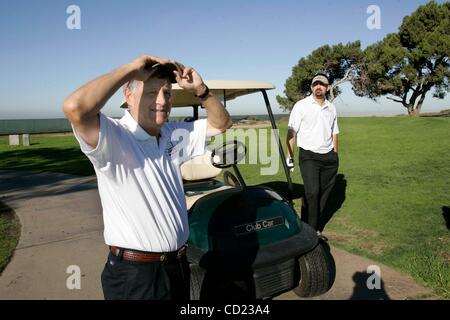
[{"x": 142, "y": 256}]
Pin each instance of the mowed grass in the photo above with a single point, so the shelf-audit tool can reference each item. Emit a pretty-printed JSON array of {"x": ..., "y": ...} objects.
[
  {"x": 389, "y": 202},
  {"x": 51, "y": 153},
  {"x": 398, "y": 186}
]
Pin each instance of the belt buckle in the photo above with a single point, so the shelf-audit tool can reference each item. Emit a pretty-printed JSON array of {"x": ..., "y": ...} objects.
[
  {"x": 162, "y": 257},
  {"x": 117, "y": 252}
]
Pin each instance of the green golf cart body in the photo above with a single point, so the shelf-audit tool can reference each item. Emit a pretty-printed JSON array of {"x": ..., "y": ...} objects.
[{"x": 246, "y": 241}]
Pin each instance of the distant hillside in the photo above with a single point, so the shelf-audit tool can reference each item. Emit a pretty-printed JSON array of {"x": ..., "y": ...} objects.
[
  {"x": 256, "y": 117},
  {"x": 443, "y": 113},
  {"x": 19, "y": 126}
]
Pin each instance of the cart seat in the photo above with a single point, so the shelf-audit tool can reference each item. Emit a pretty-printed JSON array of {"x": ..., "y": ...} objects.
[
  {"x": 199, "y": 168},
  {"x": 199, "y": 178}
]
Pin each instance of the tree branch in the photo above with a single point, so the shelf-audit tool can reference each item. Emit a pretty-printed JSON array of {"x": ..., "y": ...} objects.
[
  {"x": 345, "y": 78},
  {"x": 396, "y": 100},
  {"x": 405, "y": 95}
]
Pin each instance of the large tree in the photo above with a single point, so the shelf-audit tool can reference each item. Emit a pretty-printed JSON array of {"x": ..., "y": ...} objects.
[
  {"x": 341, "y": 63},
  {"x": 405, "y": 66}
]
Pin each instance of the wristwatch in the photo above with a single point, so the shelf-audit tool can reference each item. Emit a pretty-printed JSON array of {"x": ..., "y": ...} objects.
[{"x": 204, "y": 95}]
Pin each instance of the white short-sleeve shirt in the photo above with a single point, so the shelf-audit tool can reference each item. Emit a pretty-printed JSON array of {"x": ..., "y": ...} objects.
[
  {"x": 314, "y": 125},
  {"x": 140, "y": 183}
]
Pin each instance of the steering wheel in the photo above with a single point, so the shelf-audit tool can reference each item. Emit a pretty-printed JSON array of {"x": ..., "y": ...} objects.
[{"x": 229, "y": 153}]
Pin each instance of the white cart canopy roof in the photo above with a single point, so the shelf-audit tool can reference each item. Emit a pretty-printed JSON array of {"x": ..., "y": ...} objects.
[{"x": 229, "y": 89}]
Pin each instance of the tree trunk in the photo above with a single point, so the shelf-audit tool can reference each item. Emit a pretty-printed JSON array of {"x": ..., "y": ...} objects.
[
  {"x": 410, "y": 110},
  {"x": 419, "y": 104},
  {"x": 412, "y": 103}
]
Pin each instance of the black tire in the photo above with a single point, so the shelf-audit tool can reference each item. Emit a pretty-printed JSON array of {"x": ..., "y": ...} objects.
[
  {"x": 317, "y": 271},
  {"x": 230, "y": 180},
  {"x": 197, "y": 276}
]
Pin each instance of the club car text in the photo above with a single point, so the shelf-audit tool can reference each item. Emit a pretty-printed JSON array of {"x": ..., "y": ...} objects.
[{"x": 258, "y": 225}]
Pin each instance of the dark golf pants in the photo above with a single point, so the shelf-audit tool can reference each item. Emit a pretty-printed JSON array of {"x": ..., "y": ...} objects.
[
  {"x": 124, "y": 280},
  {"x": 319, "y": 175}
]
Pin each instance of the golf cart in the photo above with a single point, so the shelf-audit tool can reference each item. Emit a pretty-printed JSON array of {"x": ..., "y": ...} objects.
[{"x": 246, "y": 241}]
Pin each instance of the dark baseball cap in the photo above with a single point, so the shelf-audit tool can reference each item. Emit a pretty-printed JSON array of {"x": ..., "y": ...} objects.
[{"x": 165, "y": 70}]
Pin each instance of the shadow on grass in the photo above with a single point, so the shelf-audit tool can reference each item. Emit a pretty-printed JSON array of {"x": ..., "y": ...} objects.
[
  {"x": 446, "y": 215},
  {"x": 68, "y": 160},
  {"x": 335, "y": 201},
  {"x": 361, "y": 290}
]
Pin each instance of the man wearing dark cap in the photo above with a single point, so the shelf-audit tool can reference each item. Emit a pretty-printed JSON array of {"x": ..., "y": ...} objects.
[
  {"x": 313, "y": 124},
  {"x": 137, "y": 162}
]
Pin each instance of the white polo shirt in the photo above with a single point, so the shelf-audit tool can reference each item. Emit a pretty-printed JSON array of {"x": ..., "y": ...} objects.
[
  {"x": 315, "y": 125},
  {"x": 140, "y": 183}
]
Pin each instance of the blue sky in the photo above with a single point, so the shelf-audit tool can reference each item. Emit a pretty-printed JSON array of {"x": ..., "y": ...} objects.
[{"x": 42, "y": 61}]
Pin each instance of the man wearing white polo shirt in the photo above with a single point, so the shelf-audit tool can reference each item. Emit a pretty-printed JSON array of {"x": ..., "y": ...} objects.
[
  {"x": 313, "y": 124},
  {"x": 137, "y": 162}
]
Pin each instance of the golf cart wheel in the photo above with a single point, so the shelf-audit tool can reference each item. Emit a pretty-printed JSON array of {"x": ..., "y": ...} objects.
[
  {"x": 230, "y": 179},
  {"x": 317, "y": 271},
  {"x": 197, "y": 276}
]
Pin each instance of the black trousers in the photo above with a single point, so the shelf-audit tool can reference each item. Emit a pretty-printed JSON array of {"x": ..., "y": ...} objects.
[
  {"x": 124, "y": 280},
  {"x": 319, "y": 175}
]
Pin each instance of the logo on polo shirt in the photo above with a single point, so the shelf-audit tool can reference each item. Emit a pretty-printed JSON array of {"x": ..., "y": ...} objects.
[{"x": 170, "y": 146}]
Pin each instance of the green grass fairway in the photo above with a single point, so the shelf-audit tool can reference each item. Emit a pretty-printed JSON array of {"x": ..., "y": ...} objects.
[
  {"x": 389, "y": 202},
  {"x": 55, "y": 153}
]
